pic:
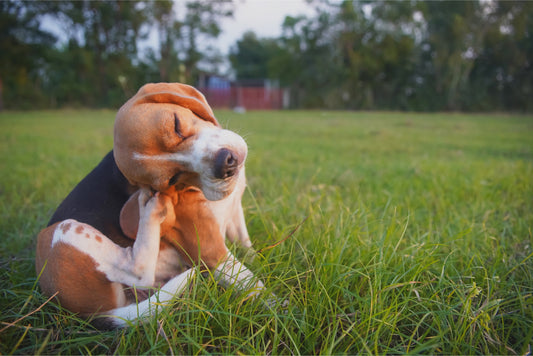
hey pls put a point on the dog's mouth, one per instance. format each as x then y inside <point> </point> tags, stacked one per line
<point>217,189</point>
<point>213,190</point>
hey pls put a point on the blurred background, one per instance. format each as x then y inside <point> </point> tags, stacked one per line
<point>259,54</point>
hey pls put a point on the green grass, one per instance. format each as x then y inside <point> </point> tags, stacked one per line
<point>418,236</point>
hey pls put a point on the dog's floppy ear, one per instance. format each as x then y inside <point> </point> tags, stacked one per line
<point>129,216</point>
<point>179,94</point>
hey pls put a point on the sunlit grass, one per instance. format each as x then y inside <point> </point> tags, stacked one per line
<point>416,236</point>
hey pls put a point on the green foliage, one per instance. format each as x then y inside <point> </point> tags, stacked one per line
<point>389,55</point>
<point>98,63</point>
<point>22,48</point>
<point>251,57</point>
<point>405,55</point>
<point>417,240</point>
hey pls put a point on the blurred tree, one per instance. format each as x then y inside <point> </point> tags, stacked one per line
<point>455,31</point>
<point>377,44</point>
<point>168,29</point>
<point>180,26</point>
<point>410,55</point>
<point>305,62</point>
<point>251,56</point>
<point>201,21</point>
<point>70,76</point>
<point>503,75</point>
<point>351,55</point>
<point>105,34</point>
<point>23,48</point>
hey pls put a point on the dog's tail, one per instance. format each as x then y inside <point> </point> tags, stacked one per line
<point>124,316</point>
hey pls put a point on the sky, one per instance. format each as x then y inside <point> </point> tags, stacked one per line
<point>264,17</point>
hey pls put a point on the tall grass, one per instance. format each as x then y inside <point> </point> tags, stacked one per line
<point>416,237</point>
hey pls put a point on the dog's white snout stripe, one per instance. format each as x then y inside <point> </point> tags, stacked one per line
<point>167,157</point>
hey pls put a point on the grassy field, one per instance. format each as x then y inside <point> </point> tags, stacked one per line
<point>418,237</point>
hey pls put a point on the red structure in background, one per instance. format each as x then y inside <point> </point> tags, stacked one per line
<point>247,95</point>
<point>257,98</point>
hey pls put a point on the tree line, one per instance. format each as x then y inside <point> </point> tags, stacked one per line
<point>98,62</point>
<point>401,55</point>
<point>388,55</point>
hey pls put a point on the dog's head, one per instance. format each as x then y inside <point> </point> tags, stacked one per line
<point>166,137</point>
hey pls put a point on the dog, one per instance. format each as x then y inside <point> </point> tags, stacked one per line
<point>127,237</point>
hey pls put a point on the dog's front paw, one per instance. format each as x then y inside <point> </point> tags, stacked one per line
<point>155,207</point>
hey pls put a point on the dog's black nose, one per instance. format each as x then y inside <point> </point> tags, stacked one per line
<point>226,164</point>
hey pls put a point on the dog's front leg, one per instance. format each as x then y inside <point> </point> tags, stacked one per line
<point>236,228</point>
<point>231,272</point>
<point>233,214</point>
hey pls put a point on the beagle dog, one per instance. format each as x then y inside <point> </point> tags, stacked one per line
<point>124,241</point>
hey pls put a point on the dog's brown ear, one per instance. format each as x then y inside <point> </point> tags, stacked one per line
<point>179,94</point>
<point>129,216</point>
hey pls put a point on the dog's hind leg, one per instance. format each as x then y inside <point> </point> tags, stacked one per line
<point>88,270</point>
<point>132,266</point>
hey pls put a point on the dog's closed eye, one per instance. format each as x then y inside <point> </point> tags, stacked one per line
<point>174,179</point>
<point>177,126</point>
